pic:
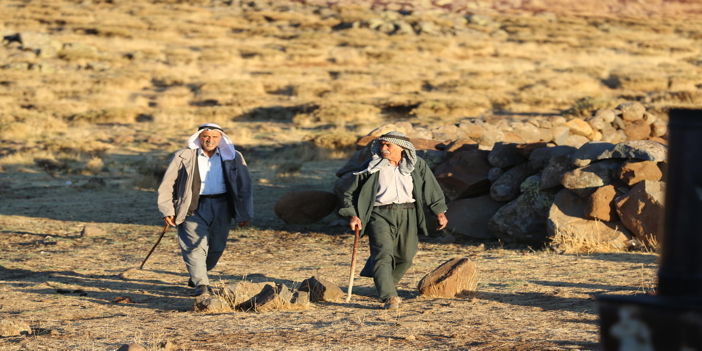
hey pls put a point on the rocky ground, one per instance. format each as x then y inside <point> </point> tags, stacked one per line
<point>64,285</point>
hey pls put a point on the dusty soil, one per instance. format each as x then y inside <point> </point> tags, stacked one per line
<point>526,299</point>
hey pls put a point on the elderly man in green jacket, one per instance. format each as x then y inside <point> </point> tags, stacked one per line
<point>386,201</point>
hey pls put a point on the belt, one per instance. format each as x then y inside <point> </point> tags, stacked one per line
<point>213,196</point>
<point>405,206</point>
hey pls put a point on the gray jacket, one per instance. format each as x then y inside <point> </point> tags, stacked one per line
<point>175,194</point>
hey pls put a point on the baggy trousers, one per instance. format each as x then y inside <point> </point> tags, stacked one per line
<point>203,237</point>
<point>393,244</point>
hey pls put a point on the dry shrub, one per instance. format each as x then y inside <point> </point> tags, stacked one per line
<point>335,141</point>
<point>24,125</point>
<point>112,31</point>
<point>108,115</point>
<point>309,152</point>
<point>76,52</point>
<point>347,88</point>
<point>237,87</point>
<point>586,106</point>
<point>346,112</point>
<point>347,56</point>
<point>95,165</point>
<point>578,242</point>
<point>638,79</point>
<point>180,56</point>
<point>400,85</point>
<point>150,172</point>
<point>263,54</point>
<point>178,96</point>
<point>79,148</point>
<point>470,106</point>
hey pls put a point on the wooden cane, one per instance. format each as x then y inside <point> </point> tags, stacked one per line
<point>165,229</point>
<point>353,262</point>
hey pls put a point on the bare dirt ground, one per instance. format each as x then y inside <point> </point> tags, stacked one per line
<point>526,299</point>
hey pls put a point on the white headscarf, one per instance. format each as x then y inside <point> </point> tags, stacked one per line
<point>378,162</point>
<point>226,147</point>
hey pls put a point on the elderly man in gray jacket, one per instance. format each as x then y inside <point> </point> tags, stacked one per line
<point>205,186</point>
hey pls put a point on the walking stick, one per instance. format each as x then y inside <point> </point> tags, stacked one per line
<point>353,263</point>
<point>165,229</point>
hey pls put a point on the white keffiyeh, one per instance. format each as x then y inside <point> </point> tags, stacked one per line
<point>226,147</point>
<point>409,154</point>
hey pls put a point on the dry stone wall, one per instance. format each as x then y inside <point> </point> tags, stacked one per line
<point>596,179</point>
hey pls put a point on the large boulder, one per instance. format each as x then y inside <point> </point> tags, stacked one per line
<point>585,180</point>
<point>464,175</point>
<point>539,158</point>
<point>524,219</point>
<point>454,277</point>
<point>567,224</point>
<point>591,151</point>
<point>505,155</point>
<point>470,217</point>
<point>553,173</point>
<point>305,207</point>
<point>506,188</point>
<point>641,210</point>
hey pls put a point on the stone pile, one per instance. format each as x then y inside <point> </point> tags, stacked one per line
<point>526,181</point>
<point>269,296</point>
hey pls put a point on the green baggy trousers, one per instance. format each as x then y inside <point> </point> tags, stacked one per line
<point>393,243</point>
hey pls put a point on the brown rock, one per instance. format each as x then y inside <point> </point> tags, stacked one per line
<point>560,134</point>
<point>579,127</point>
<point>641,210</point>
<point>453,277</point>
<point>91,230</point>
<point>471,129</point>
<point>122,299</point>
<point>566,218</point>
<point>305,207</point>
<point>321,290</point>
<point>632,111</point>
<point>634,171</point>
<point>600,205</point>
<point>607,115</point>
<point>241,293</point>
<point>576,140</point>
<point>511,137</point>
<point>528,132</point>
<point>273,298</point>
<point>637,130</point>
<point>659,129</point>
<point>465,174</point>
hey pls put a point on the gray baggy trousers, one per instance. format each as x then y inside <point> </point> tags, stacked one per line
<point>203,238</point>
<point>393,242</point>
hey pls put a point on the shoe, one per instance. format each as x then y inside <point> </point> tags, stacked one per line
<point>190,283</point>
<point>201,290</point>
<point>391,303</point>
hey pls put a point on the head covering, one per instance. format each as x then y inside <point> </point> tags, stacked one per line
<point>226,147</point>
<point>409,154</point>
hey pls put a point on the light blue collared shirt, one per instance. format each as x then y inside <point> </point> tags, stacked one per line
<point>211,173</point>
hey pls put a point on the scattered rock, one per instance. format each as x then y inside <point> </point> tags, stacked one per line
<point>585,180</point>
<point>453,277</point>
<point>211,304</point>
<point>591,151</point>
<point>506,188</point>
<point>14,328</point>
<point>505,155</point>
<point>122,299</point>
<point>131,347</point>
<point>321,290</point>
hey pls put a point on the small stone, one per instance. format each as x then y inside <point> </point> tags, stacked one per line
<point>91,230</point>
<point>122,299</point>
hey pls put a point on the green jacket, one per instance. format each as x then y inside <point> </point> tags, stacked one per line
<point>360,197</point>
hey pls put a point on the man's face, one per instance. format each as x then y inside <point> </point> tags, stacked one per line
<point>390,151</point>
<point>210,139</point>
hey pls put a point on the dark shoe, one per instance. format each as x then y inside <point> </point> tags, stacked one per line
<point>201,290</point>
<point>190,283</point>
<point>391,303</point>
